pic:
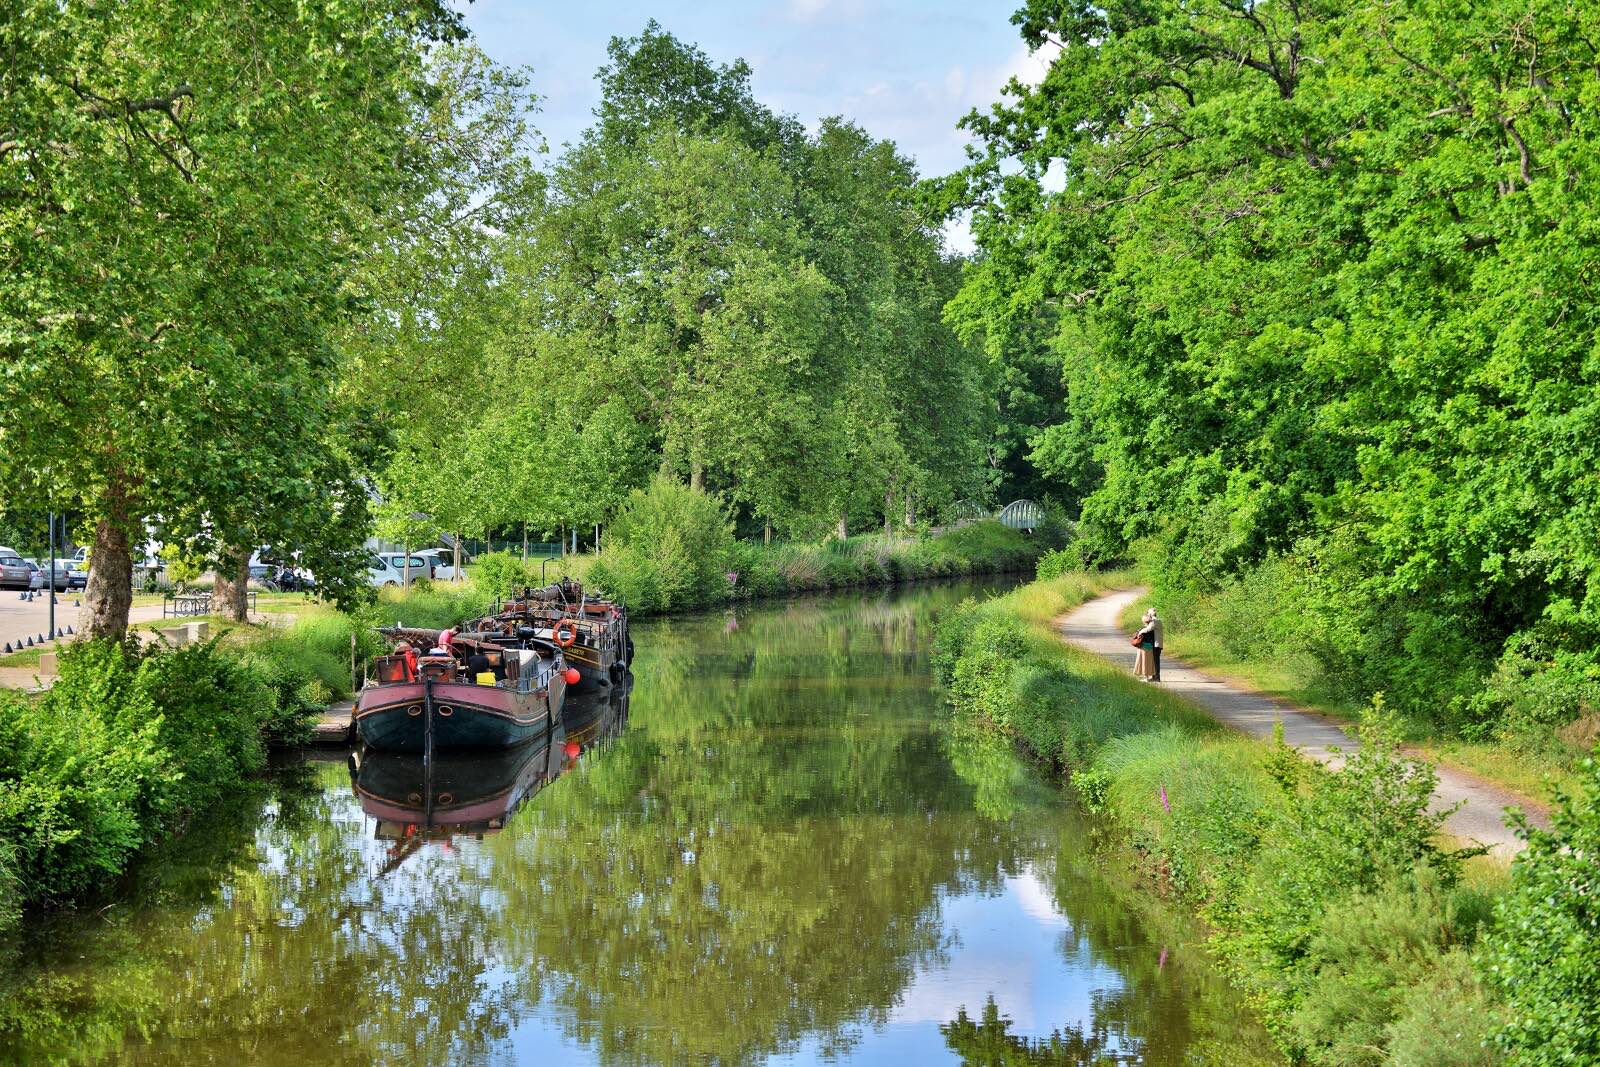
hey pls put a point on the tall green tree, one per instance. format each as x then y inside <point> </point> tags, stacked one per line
<point>1316,280</point>
<point>420,362</point>
<point>765,303</point>
<point>185,188</point>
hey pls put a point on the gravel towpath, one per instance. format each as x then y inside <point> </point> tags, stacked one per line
<point>1094,626</point>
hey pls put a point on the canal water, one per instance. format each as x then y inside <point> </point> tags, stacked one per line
<point>769,851</point>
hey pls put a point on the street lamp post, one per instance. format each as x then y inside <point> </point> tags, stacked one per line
<point>51,591</point>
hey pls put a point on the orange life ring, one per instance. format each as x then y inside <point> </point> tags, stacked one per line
<point>566,626</point>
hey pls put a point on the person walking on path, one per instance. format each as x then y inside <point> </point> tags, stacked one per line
<point>1144,641</point>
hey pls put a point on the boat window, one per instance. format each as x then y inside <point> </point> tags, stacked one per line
<point>390,668</point>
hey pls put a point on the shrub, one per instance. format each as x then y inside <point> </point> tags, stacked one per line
<point>1535,689</point>
<point>436,605</point>
<point>213,713</point>
<point>127,741</point>
<point>1092,787</point>
<point>1342,833</point>
<point>10,885</point>
<point>757,568</point>
<point>1370,955</point>
<point>1055,563</point>
<point>501,574</point>
<point>672,546</point>
<point>84,776</point>
<point>1544,948</point>
<point>1448,1019</point>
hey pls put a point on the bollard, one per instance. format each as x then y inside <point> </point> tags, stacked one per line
<point>30,642</point>
<point>8,649</point>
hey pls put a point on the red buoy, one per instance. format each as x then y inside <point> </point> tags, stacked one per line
<point>573,749</point>
<point>572,676</point>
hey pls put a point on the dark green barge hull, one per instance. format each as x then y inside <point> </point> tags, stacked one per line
<point>394,717</point>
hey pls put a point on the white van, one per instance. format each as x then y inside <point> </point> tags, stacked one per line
<point>439,562</point>
<point>388,569</point>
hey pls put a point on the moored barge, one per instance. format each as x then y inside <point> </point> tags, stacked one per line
<point>469,691</point>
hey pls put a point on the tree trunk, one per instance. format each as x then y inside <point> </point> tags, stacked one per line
<point>455,563</point>
<point>109,594</point>
<point>843,529</point>
<point>231,596</point>
<point>697,477</point>
<point>766,532</point>
<point>911,512</point>
<point>888,511</point>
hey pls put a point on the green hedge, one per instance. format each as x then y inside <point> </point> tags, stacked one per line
<point>1331,898</point>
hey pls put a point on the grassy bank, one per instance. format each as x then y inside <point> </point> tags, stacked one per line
<point>1332,898</point>
<point>667,572</point>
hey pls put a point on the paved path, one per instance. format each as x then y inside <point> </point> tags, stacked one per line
<point>21,619</point>
<point>1094,626</point>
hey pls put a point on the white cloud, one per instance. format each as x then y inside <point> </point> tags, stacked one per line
<point>1036,900</point>
<point>1027,67</point>
<point>955,80</point>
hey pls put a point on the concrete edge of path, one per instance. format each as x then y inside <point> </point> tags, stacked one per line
<point>1095,627</point>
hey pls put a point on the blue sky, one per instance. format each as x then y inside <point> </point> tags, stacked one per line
<point>905,71</point>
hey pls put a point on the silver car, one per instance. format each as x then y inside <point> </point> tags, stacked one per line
<point>60,570</point>
<point>14,574</point>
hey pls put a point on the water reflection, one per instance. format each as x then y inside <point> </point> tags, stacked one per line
<point>781,858</point>
<point>412,801</point>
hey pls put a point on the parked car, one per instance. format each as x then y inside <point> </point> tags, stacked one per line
<point>389,568</point>
<point>58,570</point>
<point>77,573</point>
<point>36,583</point>
<point>440,563</point>
<point>14,574</point>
